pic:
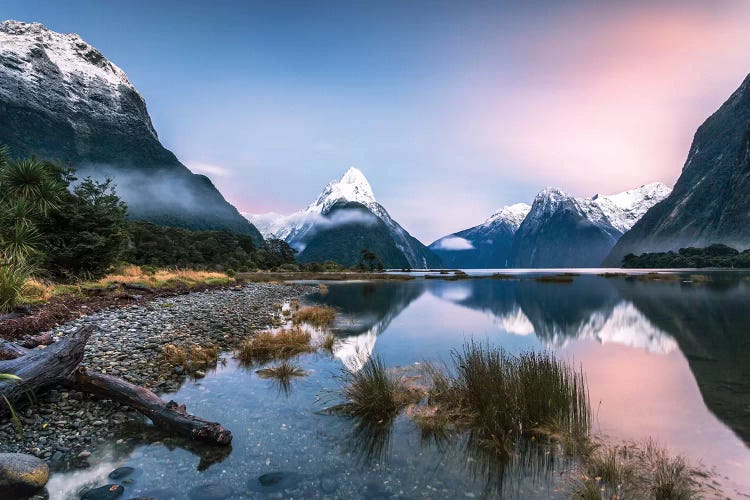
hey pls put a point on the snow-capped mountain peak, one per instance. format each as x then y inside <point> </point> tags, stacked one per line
<point>351,187</point>
<point>513,215</point>
<point>625,209</point>
<point>63,75</point>
<point>69,53</point>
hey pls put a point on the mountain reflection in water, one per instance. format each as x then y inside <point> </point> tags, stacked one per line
<point>647,333</point>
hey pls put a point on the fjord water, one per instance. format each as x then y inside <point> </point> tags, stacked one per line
<point>668,360</point>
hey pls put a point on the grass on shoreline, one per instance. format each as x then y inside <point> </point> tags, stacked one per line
<point>269,345</point>
<point>317,316</point>
<point>192,358</point>
<point>39,291</point>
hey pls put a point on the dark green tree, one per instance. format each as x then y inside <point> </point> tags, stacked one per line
<point>86,236</point>
<point>370,260</point>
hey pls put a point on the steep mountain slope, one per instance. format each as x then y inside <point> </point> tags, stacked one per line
<point>487,245</point>
<point>711,199</point>
<point>563,231</point>
<point>336,225</point>
<point>62,100</point>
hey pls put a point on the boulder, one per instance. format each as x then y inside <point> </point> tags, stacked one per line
<point>21,474</point>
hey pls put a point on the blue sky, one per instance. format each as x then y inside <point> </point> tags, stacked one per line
<point>451,109</point>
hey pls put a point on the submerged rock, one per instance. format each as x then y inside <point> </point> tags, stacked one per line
<point>121,472</point>
<point>21,474</point>
<point>274,481</point>
<point>106,492</point>
<point>212,491</point>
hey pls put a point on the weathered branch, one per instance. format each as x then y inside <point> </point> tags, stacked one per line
<point>11,350</point>
<point>169,416</point>
<point>41,368</point>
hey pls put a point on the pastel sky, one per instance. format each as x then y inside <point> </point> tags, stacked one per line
<point>452,109</point>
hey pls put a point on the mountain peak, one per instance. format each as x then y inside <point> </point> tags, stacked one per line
<point>512,214</point>
<point>351,187</point>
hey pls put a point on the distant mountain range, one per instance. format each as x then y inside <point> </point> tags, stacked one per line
<point>711,199</point>
<point>62,100</point>
<point>344,220</point>
<point>558,230</point>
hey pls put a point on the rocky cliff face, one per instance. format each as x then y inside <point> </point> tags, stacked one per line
<point>62,100</point>
<point>710,202</point>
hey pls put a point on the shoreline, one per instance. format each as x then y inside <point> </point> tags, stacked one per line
<point>65,427</point>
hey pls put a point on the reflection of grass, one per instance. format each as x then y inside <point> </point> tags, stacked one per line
<point>374,393</point>
<point>269,345</point>
<point>320,316</point>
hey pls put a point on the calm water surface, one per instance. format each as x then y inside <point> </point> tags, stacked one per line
<point>668,360</point>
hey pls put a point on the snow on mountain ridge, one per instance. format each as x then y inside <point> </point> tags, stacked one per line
<point>512,214</point>
<point>73,57</point>
<point>625,209</point>
<point>619,211</point>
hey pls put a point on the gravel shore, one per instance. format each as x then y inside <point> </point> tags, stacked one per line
<point>64,427</point>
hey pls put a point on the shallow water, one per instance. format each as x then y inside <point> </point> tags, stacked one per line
<point>668,360</point>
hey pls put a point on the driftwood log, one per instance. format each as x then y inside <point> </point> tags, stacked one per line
<point>41,368</point>
<point>59,363</point>
<point>168,416</point>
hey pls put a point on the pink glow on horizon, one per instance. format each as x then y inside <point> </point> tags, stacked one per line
<point>609,103</point>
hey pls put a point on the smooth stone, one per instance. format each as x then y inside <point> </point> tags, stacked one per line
<point>274,481</point>
<point>213,491</point>
<point>121,472</point>
<point>104,492</point>
<point>23,474</point>
<point>328,485</point>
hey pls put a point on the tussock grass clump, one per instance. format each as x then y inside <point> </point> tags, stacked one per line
<point>657,277</point>
<point>643,470</point>
<point>613,275</point>
<point>502,276</point>
<point>500,397</point>
<point>327,342</point>
<point>319,316</point>
<point>374,393</point>
<point>191,357</point>
<point>269,345</point>
<point>556,278</point>
<point>323,289</point>
<point>283,371</point>
<point>282,374</point>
